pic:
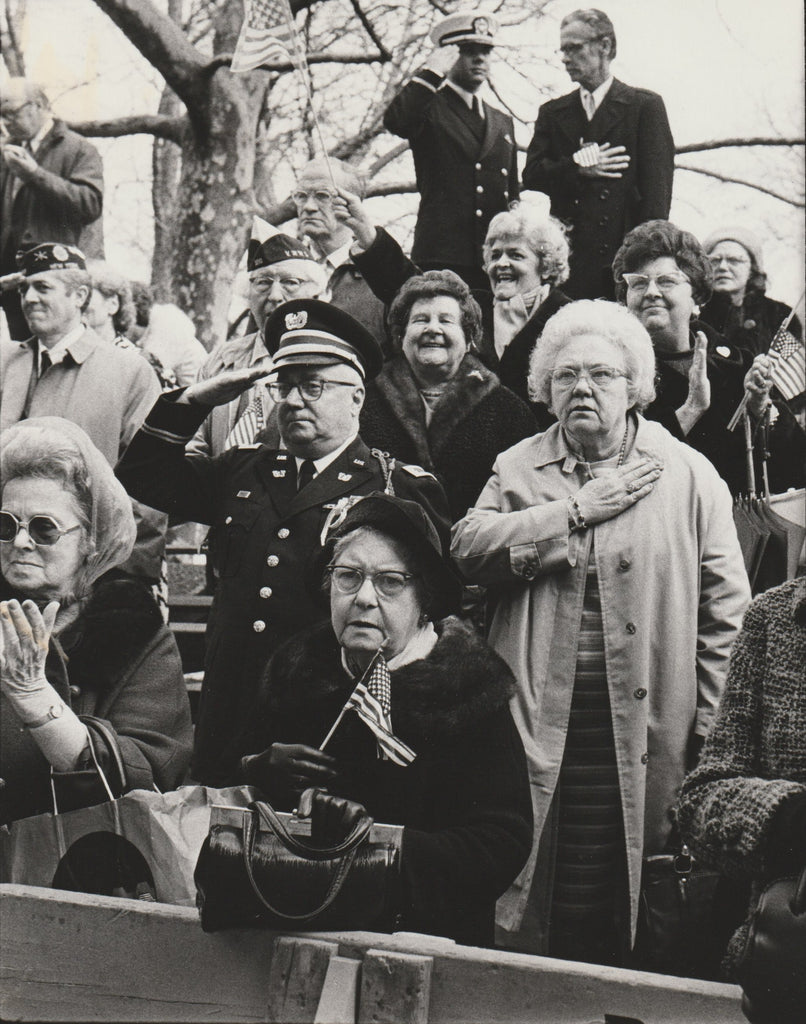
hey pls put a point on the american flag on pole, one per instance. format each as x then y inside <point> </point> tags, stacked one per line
<point>372,702</point>
<point>788,363</point>
<point>267,34</point>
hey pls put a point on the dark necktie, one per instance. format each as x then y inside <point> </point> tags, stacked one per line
<point>306,473</point>
<point>44,361</point>
<point>477,108</point>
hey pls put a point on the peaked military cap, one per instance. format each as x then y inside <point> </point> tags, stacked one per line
<point>465,27</point>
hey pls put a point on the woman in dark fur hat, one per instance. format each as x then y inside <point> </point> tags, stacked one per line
<point>452,769</point>
<point>73,645</point>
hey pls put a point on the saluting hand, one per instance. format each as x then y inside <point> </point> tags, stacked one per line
<point>612,493</point>
<point>225,387</point>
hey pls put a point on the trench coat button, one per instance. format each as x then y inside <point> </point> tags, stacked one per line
<point>624,565</point>
<point>479,188</point>
<point>75,691</point>
<point>529,573</point>
<point>504,170</point>
<point>272,561</point>
<point>644,758</point>
<point>630,627</point>
<point>228,520</point>
<point>283,532</point>
<point>478,213</point>
<point>640,693</point>
<point>749,324</point>
<point>258,625</point>
<point>478,167</point>
<point>265,592</point>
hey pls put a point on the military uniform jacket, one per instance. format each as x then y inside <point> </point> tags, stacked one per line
<point>601,211</point>
<point>466,173</point>
<point>267,536</point>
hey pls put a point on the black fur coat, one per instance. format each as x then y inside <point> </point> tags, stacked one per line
<point>465,800</point>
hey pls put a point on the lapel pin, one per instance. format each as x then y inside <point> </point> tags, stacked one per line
<point>344,477</point>
<point>279,473</point>
<point>243,494</point>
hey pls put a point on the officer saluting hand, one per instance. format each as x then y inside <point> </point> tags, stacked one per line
<point>270,509</point>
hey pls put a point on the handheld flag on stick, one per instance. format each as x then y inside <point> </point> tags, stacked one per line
<point>788,367</point>
<point>372,700</point>
<point>267,33</point>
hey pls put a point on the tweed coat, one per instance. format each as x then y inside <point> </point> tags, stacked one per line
<point>673,588</point>
<point>106,390</point>
<point>475,419</point>
<point>464,175</point>
<point>754,760</point>
<point>600,211</point>
<point>266,539</point>
<point>117,662</point>
<point>463,802</point>
<point>59,203</point>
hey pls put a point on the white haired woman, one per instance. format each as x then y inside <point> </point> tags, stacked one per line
<point>620,587</point>
<point>72,644</point>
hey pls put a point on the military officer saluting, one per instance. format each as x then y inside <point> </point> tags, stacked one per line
<point>465,156</point>
<point>270,508</point>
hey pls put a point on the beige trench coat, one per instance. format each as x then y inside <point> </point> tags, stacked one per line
<point>673,589</point>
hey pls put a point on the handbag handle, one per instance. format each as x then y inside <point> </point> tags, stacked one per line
<point>339,876</point>
<point>354,839</point>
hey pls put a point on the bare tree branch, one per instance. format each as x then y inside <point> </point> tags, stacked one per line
<point>10,42</point>
<point>373,35</point>
<point>740,181</point>
<point>163,127</point>
<point>223,60</point>
<point>702,147</point>
<point>387,158</point>
<point>164,45</point>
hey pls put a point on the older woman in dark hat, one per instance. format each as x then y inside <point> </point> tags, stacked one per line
<point>454,772</point>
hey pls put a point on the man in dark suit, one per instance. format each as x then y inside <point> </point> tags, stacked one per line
<point>51,182</point>
<point>271,508</point>
<point>463,148</point>
<point>604,154</point>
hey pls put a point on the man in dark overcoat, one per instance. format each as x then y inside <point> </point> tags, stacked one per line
<point>271,509</point>
<point>604,154</point>
<point>463,147</point>
<point>51,183</point>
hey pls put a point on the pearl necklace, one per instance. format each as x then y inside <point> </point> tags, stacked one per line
<point>621,454</point>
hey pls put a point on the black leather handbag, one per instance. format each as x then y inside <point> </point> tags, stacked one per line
<point>676,926</point>
<point>254,871</point>
<point>772,967</point>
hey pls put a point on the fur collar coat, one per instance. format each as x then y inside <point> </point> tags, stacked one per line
<point>464,802</point>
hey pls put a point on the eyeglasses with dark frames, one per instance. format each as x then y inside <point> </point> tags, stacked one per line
<point>310,390</point>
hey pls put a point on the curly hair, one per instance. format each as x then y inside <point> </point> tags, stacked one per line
<point>428,286</point>
<point>658,238</point>
<point>544,235</point>
<point>111,283</point>
<point>606,320</point>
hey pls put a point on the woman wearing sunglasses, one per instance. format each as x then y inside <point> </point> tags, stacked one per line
<point>453,773</point>
<point>663,276</point>
<point>87,669</point>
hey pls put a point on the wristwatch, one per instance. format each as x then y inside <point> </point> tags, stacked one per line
<point>54,711</point>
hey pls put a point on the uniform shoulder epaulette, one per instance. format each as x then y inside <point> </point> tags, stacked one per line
<point>413,470</point>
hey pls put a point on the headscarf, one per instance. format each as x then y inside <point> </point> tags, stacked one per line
<point>25,450</point>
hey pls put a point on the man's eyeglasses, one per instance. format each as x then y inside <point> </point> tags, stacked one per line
<point>289,286</point>
<point>322,196</point>
<point>565,377</point>
<point>348,580</point>
<point>664,282</point>
<point>7,113</point>
<point>43,530</point>
<point>732,261</point>
<point>310,390</point>
<point>573,49</point>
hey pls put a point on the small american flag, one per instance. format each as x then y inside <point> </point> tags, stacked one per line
<point>788,363</point>
<point>267,33</point>
<point>372,703</point>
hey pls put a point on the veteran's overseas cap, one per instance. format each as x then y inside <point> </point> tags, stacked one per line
<point>275,249</point>
<point>50,256</point>
<point>465,27</point>
<point>309,332</point>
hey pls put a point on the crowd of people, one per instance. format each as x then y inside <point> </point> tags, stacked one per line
<point>494,480</point>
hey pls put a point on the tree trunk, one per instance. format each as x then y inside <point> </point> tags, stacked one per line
<point>166,166</point>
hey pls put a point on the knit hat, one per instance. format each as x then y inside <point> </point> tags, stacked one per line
<point>744,237</point>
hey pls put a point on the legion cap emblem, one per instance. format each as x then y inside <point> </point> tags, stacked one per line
<point>294,321</point>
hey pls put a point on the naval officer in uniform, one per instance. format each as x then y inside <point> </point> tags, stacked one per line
<point>270,509</point>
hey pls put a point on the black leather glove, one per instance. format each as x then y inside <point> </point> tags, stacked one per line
<point>332,817</point>
<point>289,768</point>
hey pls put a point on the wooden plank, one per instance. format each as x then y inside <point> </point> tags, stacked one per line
<point>338,1003</point>
<point>395,988</point>
<point>67,956</point>
<point>296,978</point>
<point>189,600</point>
